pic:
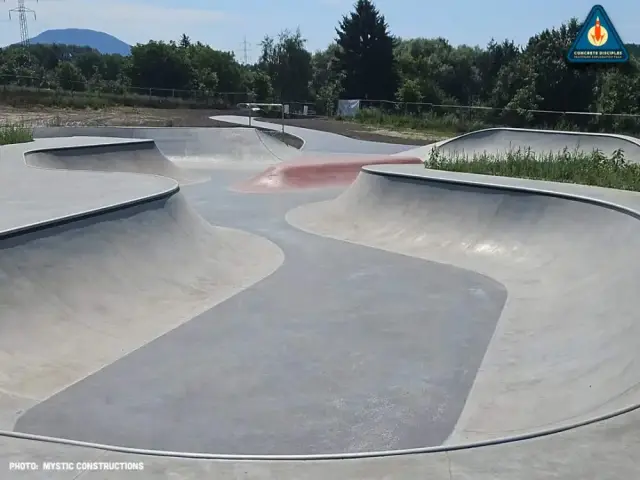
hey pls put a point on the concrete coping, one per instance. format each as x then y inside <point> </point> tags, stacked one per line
<point>81,144</point>
<point>625,201</point>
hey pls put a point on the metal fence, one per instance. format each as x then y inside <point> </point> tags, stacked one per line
<point>113,92</point>
<point>470,117</point>
<point>16,89</point>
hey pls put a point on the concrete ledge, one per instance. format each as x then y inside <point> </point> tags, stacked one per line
<point>39,192</point>
<point>83,215</point>
<point>621,200</point>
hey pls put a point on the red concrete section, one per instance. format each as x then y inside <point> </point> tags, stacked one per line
<point>315,172</point>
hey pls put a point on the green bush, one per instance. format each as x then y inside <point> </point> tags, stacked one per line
<point>587,168</point>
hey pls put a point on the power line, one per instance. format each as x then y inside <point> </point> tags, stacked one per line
<point>22,12</point>
<point>246,48</point>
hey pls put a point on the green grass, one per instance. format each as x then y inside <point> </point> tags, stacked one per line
<point>14,133</point>
<point>592,168</point>
<point>444,125</point>
<point>450,123</point>
<point>18,96</point>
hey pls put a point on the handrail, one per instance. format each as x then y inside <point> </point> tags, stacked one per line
<point>249,105</point>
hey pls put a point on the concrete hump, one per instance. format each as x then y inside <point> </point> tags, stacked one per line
<point>541,142</point>
<point>76,298</point>
<point>206,146</point>
<point>316,171</point>
<point>134,156</point>
<point>565,348</point>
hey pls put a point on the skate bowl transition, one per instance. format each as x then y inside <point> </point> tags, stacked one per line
<point>237,146</point>
<point>540,142</point>
<point>314,315</point>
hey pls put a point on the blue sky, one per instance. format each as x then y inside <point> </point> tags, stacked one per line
<point>225,23</point>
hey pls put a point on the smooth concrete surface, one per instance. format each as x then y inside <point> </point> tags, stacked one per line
<point>562,350</point>
<point>606,450</point>
<point>323,142</point>
<point>275,371</point>
<point>32,196</point>
<point>237,147</point>
<point>539,142</point>
<point>138,156</point>
<point>565,347</point>
<point>315,172</point>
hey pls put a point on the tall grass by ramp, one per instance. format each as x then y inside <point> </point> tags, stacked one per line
<point>587,168</point>
<point>15,133</point>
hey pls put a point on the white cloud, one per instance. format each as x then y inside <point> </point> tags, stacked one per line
<point>130,21</point>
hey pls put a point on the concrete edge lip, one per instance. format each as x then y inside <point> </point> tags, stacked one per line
<point>275,128</point>
<point>54,222</point>
<point>317,457</point>
<point>502,183</point>
<point>104,142</point>
<point>545,132</point>
<point>88,213</point>
<point>488,182</point>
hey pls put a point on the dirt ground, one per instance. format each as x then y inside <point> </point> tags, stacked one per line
<point>129,116</point>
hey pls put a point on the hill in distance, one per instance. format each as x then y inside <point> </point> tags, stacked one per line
<point>103,42</point>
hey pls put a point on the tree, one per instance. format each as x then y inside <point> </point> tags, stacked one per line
<point>160,65</point>
<point>326,81</point>
<point>288,65</point>
<point>70,77</point>
<point>260,88</point>
<point>185,41</point>
<point>231,76</point>
<point>365,54</point>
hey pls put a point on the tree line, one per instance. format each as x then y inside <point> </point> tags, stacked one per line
<point>365,61</point>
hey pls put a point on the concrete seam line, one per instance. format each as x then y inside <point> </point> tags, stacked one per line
<point>370,169</point>
<point>315,457</point>
<point>95,212</point>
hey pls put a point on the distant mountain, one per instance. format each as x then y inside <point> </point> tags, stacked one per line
<point>103,42</point>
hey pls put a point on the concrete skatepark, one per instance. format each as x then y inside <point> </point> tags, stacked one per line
<point>217,304</point>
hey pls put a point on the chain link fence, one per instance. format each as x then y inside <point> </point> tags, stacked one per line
<point>20,90</point>
<point>16,90</point>
<point>474,117</point>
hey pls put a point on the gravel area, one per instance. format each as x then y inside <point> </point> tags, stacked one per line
<point>129,116</point>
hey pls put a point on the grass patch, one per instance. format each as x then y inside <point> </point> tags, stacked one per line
<point>440,125</point>
<point>15,133</point>
<point>587,168</point>
<point>20,97</point>
<point>463,120</point>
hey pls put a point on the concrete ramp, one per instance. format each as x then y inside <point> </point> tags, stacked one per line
<point>239,147</point>
<point>502,140</point>
<point>134,156</point>
<point>76,298</point>
<point>566,346</point>
<point>315,172</point>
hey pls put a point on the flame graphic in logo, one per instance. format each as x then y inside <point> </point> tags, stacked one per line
<point>598,35</point>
